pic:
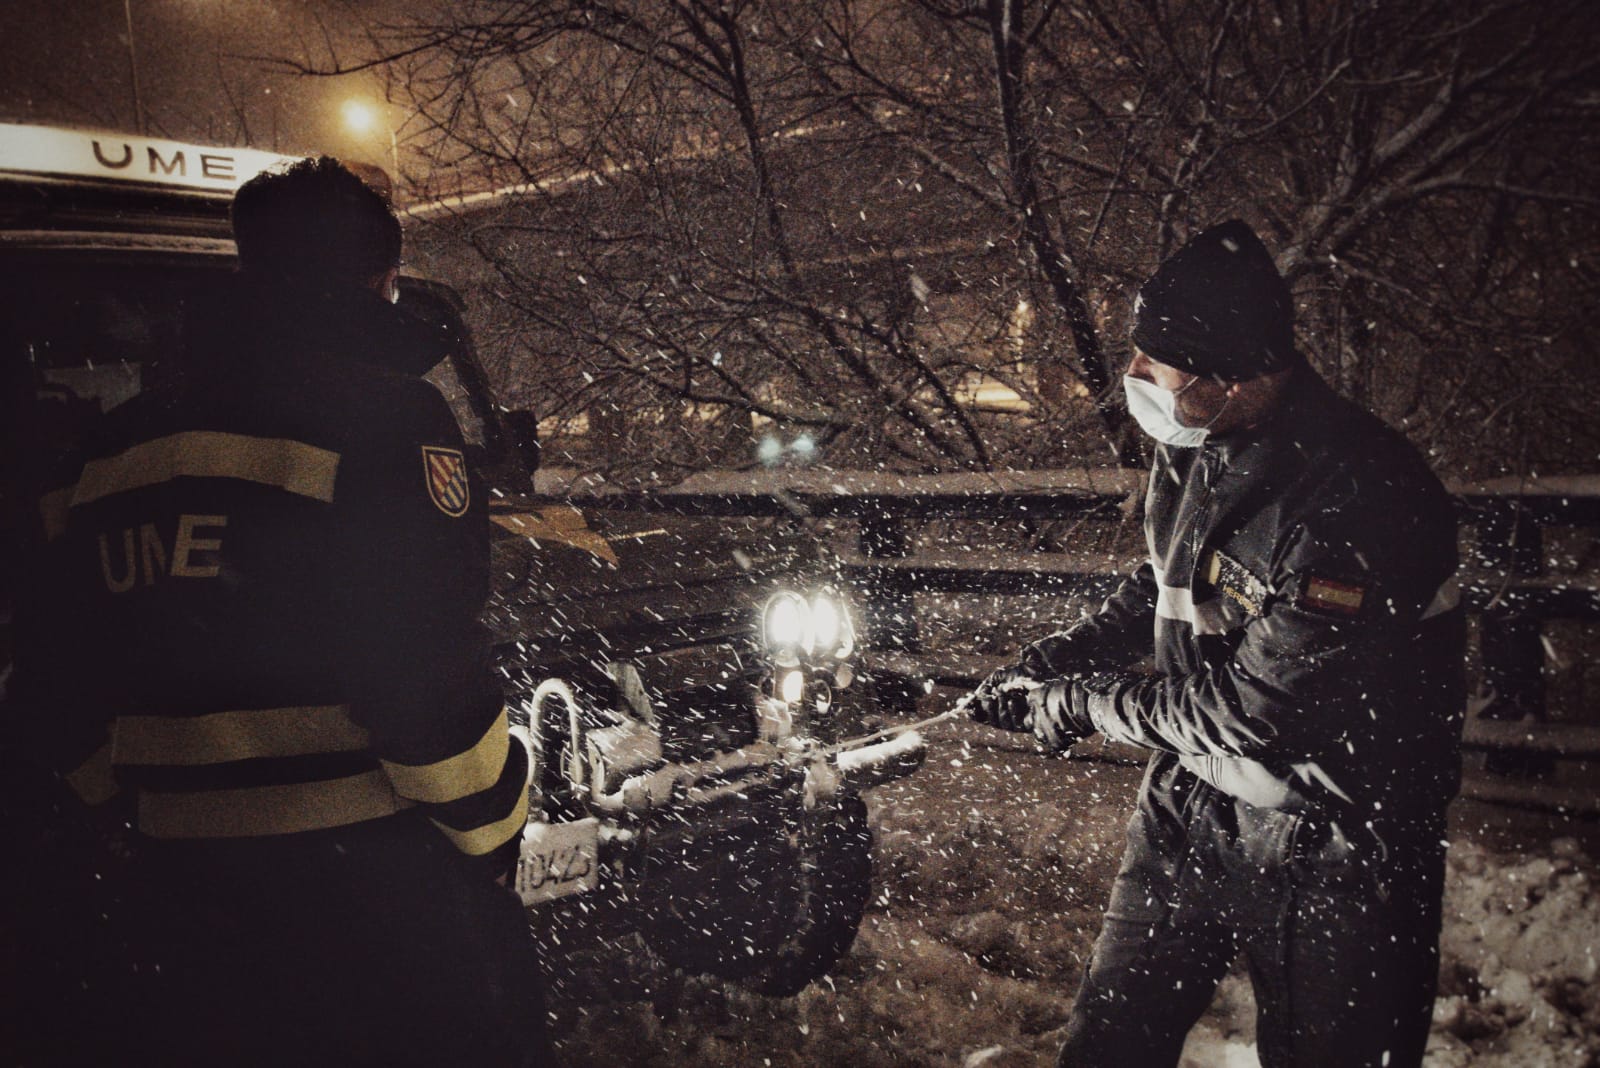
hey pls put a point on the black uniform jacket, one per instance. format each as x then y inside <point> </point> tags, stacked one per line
<point>265,591</point>
<point>1308,637</point>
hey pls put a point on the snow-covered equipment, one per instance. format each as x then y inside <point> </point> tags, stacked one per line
<point>721,821</point>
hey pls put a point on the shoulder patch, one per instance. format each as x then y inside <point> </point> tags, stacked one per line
<point>1326,595</point>
<point>445,473</point>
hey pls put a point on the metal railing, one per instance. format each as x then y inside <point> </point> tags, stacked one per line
<point>1505,584</point>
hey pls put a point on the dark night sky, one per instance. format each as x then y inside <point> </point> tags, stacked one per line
<point>200,75</point>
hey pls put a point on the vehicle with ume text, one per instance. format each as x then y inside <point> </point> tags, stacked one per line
<point>686,686</point>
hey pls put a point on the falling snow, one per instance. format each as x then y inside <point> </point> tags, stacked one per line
<point>993,865</point>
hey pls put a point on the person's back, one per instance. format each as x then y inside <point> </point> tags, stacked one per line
<point>276,570</point>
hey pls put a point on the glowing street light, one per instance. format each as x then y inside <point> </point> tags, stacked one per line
<point>361,119</point>
<point>359,116</point>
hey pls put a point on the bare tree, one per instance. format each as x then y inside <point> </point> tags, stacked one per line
<point>687,233</point>
<point>1422,169</point>
<point>857,218</point>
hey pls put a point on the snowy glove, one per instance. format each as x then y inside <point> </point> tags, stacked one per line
<point>1001,700</point>
<point>1058,713</point>
<point>1053,656</point>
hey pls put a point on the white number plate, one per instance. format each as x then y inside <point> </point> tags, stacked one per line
<point>558,859</point>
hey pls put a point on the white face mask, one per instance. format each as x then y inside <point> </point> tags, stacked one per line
<point>1156,411</point>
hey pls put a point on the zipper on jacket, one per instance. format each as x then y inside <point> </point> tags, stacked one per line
<point>1197,527</point>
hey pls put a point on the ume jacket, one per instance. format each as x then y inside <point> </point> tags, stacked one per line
<point>267,588</point>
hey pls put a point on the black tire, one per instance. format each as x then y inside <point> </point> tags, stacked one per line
<point>834,878</point>
<point>715,903</point>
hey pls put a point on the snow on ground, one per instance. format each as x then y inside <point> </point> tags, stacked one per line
<point>1519,951</point>
<point>1517,981</point>
<point>994,862</point>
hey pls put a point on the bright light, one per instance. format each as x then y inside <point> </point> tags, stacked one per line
<point>792,687</point>
<point>784,623</point>
<point>360,116</point>
<point>824,622</point>
<point>793,627</point>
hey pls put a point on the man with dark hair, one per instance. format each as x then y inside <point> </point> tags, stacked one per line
<point>1305,708</point>
<point>317,221</point>
<point>270,580</point>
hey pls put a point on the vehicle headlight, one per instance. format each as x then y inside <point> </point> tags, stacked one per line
<point>784,625</point>
<point>831,632</point>
<point>793,627</point>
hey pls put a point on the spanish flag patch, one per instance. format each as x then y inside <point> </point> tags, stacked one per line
<point>445,472</point>
<point>1327,595</point>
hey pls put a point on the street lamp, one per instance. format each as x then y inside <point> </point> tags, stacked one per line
<point>362,118</point>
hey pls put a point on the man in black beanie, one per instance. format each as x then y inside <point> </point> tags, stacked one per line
<point>1305,709</point>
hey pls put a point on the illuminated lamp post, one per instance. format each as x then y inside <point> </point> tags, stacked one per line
<point>362,118</point>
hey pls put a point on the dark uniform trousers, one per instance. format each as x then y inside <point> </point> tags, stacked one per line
<point>408,956</point>
<point>1344,977</point>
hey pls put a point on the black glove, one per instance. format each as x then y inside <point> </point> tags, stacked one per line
<point>1001,700</point>
<point>1058,713</point>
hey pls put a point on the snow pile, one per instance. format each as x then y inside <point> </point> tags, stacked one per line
<point>1520,946</point>
<point>1520,955</point>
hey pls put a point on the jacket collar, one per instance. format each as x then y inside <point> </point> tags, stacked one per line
<point>1304,398</point>
<point>263,320</point>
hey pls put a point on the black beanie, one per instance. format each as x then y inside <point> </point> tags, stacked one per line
<point>1218,307</point>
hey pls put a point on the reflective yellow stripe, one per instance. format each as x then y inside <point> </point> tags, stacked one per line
<point>53,512</point>
<point>288,465</point>
<point>465,773</point>
<point>223,736</point>
<point>264,810</point>
<point>92,780</point>
<point>485,839</point>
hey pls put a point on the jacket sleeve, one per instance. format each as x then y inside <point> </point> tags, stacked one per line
<point>1349,597</point>
<point>421,679</point>
<point>57,717</point>
<point>1117,633</point>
